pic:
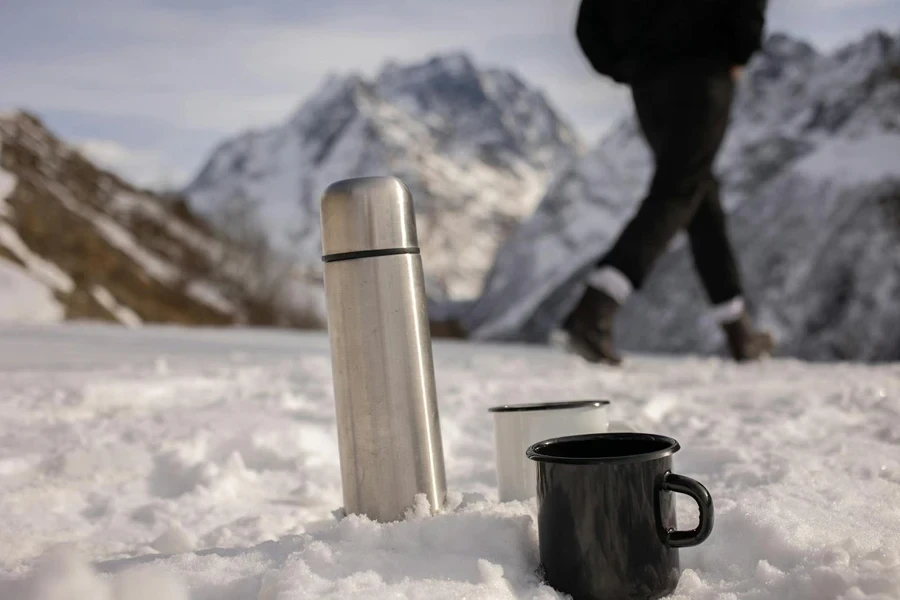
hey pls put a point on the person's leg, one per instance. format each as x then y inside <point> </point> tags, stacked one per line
<point>712,251</point>
<point>683,114</point>
<point>718,269</point>
<point>684,117</point>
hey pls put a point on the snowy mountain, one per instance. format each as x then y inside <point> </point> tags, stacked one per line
<point>476,147</point>
<point>79,243</point>
<point>811,171</point>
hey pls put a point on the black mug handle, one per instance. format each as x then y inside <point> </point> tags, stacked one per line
<point>674,538</point>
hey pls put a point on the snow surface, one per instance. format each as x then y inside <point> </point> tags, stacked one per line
<point>202,464</point>
<point>23,299</point>
<point>8,183</point>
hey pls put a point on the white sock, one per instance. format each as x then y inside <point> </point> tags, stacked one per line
<point>611,281</point>
<point>728,312</point>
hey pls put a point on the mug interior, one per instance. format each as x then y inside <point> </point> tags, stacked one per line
<point>603,447</point>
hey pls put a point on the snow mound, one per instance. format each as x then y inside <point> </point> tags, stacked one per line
<point>65,575</point>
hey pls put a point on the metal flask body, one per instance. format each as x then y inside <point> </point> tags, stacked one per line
<point>383,373</point>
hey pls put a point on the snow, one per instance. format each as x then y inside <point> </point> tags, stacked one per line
<point>128,202</point>
<point>856,161</point>
<point>122,313</point>
<point>122,239</point>
<point>119,237</point>
<point>24,299</point>
<point>208,294</point>
<point>180,464</point>
<point>8,183</point>
<point>43,270</point>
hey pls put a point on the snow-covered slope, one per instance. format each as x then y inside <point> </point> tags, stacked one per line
<point>812,182</point>
<point>476,147</point>
<point>79,243</point>
<point>24,298</point>
<point>203,465</point>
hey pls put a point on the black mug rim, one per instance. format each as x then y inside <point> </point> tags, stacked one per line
<point>547,406</point>
<point>671,447</point>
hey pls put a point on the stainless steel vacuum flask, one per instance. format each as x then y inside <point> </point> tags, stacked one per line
<point>382,367</point>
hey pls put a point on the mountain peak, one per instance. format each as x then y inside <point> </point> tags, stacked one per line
<point>442,85</point>
<point>492,111</point>
<point>876,45</point>
<point>334,89</point>
<point>19,116</point>
<point>453,64</point>
<point>786,47</point>
<point>455,134</point>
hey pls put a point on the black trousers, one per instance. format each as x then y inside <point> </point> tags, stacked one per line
<point>683,110</point>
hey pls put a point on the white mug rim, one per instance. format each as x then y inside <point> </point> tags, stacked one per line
<point>563,405</point>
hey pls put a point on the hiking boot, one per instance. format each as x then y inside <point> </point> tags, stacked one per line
<point>745,342</point>
<point>590,328</point>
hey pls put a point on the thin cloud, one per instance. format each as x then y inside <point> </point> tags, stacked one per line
<point>145,168</point>
<point>184,66</point>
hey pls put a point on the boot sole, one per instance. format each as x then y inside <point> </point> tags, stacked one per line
<point>587,354</point>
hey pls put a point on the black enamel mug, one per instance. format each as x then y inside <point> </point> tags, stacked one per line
<point>606,515</point>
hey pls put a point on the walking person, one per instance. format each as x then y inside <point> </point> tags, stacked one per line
<point>681,59</point>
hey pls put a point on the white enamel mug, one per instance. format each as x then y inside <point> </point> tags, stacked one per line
<point>518,426</point>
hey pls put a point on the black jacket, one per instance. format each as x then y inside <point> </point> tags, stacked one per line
<point>622,37</point>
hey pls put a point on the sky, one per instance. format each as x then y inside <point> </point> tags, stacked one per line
<point>149,87</point>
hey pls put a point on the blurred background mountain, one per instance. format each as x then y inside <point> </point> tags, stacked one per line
<point>477,148</point>
<point>512,200</point>
<point>811,178</point>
